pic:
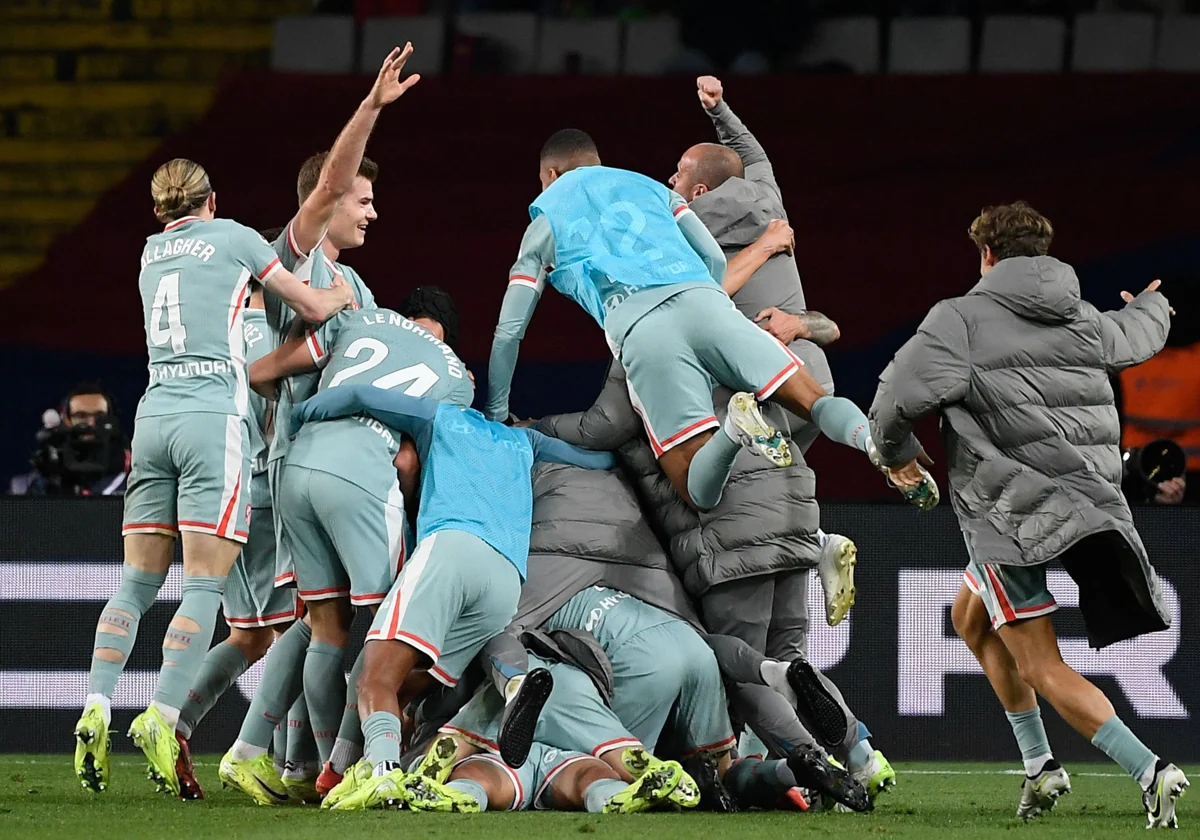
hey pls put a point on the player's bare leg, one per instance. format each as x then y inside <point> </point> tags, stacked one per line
<point>1034,647</point>
<point>147,558</point>
<point>1045,779</point>
<point>387,683</point>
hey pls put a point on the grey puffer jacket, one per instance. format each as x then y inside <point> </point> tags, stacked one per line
<point>766,521</point>
<point>589,529</point>
<point>736,214</point>
<point>1019,370</point>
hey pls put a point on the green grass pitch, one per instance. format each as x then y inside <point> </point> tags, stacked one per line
<point>40,798</point>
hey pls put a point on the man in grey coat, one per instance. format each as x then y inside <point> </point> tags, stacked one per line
<point>1018,370</point>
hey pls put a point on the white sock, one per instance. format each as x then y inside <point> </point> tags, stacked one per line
<point>345,753</point>
<point>730,430</point>
<point>105,704</point>
<point>822,537</point>
<point>170,713</point>
<point>774,674</point>
<point>247,752</point>
<point>183,729</point>
<point>1033,766</point>
<point>301,770</point>
<point>1147,777</point>
<point>512,687</point>
<point>385,767</point>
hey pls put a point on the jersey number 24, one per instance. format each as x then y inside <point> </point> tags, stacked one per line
<point>420,375</point>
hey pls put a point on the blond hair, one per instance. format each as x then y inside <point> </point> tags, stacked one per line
<point>179,187</point>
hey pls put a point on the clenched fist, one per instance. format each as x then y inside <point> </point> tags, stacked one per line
<point>709,89</point>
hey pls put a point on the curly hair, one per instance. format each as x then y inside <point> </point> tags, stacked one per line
<point>1012,230</point>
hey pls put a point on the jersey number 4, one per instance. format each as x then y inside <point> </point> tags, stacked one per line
<point>420,375</point>
<point>166,297</point>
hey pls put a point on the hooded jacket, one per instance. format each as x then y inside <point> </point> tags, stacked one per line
<point>1019,369</point>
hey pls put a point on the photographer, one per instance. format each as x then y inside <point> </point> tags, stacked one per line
<point>80,451</point>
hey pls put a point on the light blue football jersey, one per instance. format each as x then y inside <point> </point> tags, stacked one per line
<point>611,616</point>
<point>318,271</point>
<point>194,283</point>
<point>476,476</point>
<point>615,235</point>
<point>381,348</point>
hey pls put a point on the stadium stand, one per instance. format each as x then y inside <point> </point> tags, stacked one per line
<point>84,96</point>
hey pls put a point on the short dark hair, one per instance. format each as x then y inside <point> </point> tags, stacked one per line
<point>567,144</point>
<point>270,234</point>
<point>435,303</point>
<point>716,164</point>
<point>310,173</point>
<point>87,388</point>
<point>1012,230</point>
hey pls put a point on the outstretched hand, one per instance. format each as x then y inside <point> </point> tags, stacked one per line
<point>709,89</point>
<point>388,87</point>
<point>1153,287</point>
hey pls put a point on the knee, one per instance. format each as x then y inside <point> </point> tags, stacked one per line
<point>253,642</point>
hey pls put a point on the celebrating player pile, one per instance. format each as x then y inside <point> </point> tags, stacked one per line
<point>536,649</point>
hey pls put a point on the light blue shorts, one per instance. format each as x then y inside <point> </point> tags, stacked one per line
<point>453,595</point>
<point>1010,593</point>
<point>678,352</point>
<point>574,718</point>
<point>251,597</point>
<point>189,472</point>
<point>532,780</point>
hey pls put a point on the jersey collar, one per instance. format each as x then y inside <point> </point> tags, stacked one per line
<point>181,221</point>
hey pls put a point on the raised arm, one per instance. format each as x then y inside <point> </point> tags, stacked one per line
<point>341,166</point>
<point>608,424</point>
<point>930,371</point>
<point>733,133</point>
<point>526,281</point>
<point>776,238</point>
<point>1134,334</point>
<point>699,238</point>
<point>546,448</point>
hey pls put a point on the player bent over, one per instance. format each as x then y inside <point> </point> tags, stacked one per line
<point>1019,371</point>
<point>462,584</point>
<point>190,455</point>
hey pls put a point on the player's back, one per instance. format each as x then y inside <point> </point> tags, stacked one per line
<point>615,234</point>
<point>381,348</point>
<point>194,284</point>
<point>476,476</point>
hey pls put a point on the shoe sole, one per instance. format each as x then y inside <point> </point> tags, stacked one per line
<point>823,780</point>
<point>654,788</point>
<point>87,767</point>
<point>754,430</point>
<point>517,729</point>
<point>1174,792</point>
<point>844,563</point>
<point>443,750</point>
<point>821,714</point>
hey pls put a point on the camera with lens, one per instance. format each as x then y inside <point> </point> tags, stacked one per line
<point>1145,467</point>
<point>70,459</point>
